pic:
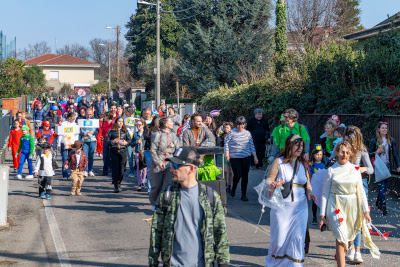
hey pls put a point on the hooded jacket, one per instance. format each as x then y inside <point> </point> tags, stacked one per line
<point>209,171</point>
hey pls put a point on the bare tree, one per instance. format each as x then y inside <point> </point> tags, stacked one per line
<point>310,21</point>
<point>75,50</point>
<point>35,50</point>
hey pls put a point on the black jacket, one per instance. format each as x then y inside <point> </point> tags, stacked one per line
<point>54,120</point>
<point>259,129</point>
<point>83,105</point>
<point>147,137</point>
<point>393,155</point>
<point>112,134</point>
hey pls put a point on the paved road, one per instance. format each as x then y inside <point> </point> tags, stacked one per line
<point>102,228</point>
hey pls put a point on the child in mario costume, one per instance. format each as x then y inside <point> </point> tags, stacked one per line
<point>13,143</point>
<point>46,131</point>
<point>25,150</point>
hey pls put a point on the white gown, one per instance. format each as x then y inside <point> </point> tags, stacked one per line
<point>289,225</point>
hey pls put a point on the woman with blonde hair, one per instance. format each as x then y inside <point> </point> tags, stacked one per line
<point>328,137</point>
<point>345,204</point>
<point>384,146</point>
<point>360,158</point>
<point>289,225</point>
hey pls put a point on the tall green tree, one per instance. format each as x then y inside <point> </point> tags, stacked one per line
<point>347,17</point>
<point>35,79</point>
<point>281,41</point>
<point>223,42</point>
<point>142,33</point>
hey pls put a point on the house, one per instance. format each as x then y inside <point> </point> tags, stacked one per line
<point>64,69</point>
<point>296,39</point>
<point>390,23</point>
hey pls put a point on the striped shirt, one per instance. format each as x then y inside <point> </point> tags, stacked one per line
<point>239,144</point>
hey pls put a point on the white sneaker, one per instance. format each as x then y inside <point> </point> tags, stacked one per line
<point>91,174</point>
<point>19,177</point>
<point>350,255</point>
<point>85,174</point>
<point>101,155</point>
<point>29,177</point>
<point>358,258</point>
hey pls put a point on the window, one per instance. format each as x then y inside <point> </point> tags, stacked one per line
<point>53,75</point>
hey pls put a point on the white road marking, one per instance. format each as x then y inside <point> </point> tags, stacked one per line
<point>56,234</point>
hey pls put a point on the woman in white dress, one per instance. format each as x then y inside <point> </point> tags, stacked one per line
<point>289,225</point>
<point>345,205</point>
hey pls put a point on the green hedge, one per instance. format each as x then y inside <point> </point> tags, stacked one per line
<point>336,78</point>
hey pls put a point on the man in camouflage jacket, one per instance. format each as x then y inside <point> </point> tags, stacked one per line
<point>214,241</point>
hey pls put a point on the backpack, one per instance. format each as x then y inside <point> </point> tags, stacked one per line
<point>167,197</point>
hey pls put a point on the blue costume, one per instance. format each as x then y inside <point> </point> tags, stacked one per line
<point>26,148</point>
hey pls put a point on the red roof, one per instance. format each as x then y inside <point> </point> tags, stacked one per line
<point>53,59</point>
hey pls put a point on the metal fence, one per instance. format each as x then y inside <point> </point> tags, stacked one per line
<point>5,123</point>
<point>315,125</point>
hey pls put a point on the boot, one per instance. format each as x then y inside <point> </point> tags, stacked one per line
<point>228,189</point>
<point>378,204</point>
<point>384,210</point>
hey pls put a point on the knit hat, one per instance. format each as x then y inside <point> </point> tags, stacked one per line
<point>25,128</point>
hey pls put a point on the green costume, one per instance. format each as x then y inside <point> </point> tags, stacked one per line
<point>329,143</point>
<point>208,171</point>
<point>281,132</point>
<point>213,228</point>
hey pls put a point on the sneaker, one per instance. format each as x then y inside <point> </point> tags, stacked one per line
<point>72,193</point>
<point>65,178</point>
<point>131,175</point>
<point>48,196</point>
<point>119,187</point>
<point>42,195</point>
<point>29,176</point>
<point>101,155</point>
<point>19,176</point>
<point>98,154</point>
<point>15,169</point>
<point>139,189</point>
<point>350,255</point>
<point>228,190</point>
<point>358,258</point>
<point>78,193</point>
<point>85,174</point>
<point>244,198</point>
<point>91,173</point>
<point>314,221</point>
<point>116,190</point>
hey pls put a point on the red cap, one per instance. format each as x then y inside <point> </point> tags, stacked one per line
<point>46,123</point>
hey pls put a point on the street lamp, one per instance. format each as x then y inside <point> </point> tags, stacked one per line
<point>109,67</point>
<point>118,31</point>
<point>158,78</point>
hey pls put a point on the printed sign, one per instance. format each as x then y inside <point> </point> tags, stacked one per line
<point>67,130</point>
<point>130,121</point>
<point>92,123</point>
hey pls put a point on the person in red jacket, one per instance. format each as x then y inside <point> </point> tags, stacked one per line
<point>99,148</point>
<point>45,130</point>
<point>13,143</point>
<point>106,126</point>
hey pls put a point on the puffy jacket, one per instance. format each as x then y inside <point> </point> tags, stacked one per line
<point>39,115</point>
<point>163,145</point>
<point>83,161</point>
<point>111,135</point>
<point>213,229</point>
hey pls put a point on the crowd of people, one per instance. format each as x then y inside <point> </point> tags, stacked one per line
<point>160,149</point>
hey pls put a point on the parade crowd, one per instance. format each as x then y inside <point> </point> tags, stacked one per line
<point>161,150</point>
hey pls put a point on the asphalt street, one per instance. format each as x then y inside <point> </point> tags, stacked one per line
<point>102,228</point>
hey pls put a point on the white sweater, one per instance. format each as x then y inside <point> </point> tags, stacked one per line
<point>48,165</point>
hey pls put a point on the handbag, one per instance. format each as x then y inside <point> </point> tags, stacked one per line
<point>381,170</point>
<point>288,187</point>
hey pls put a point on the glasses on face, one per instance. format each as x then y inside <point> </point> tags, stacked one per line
<point>139,125</point>
<point>177,166</point>
<point>241,123</point>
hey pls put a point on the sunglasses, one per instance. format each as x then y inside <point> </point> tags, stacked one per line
<point>177,166</point>
<point>241,123</point>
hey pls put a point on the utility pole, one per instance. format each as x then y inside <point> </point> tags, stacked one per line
<point>177,96</point>
<point>118,30</point>
<point>158,82</point>
<point>109,69</point>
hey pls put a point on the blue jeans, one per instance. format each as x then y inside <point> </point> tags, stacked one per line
<point>106,159</point>
<point>357,240</point>
<point>147,159</point>
<point>88,148</point>
<point>25,156</point>
<point>131,158</point>
<point>64,156</point>
<point>382,185</point>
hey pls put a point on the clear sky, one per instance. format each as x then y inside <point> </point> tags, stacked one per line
<point>78,21</point>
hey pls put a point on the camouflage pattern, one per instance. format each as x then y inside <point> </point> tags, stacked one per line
<point>213,229</point>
